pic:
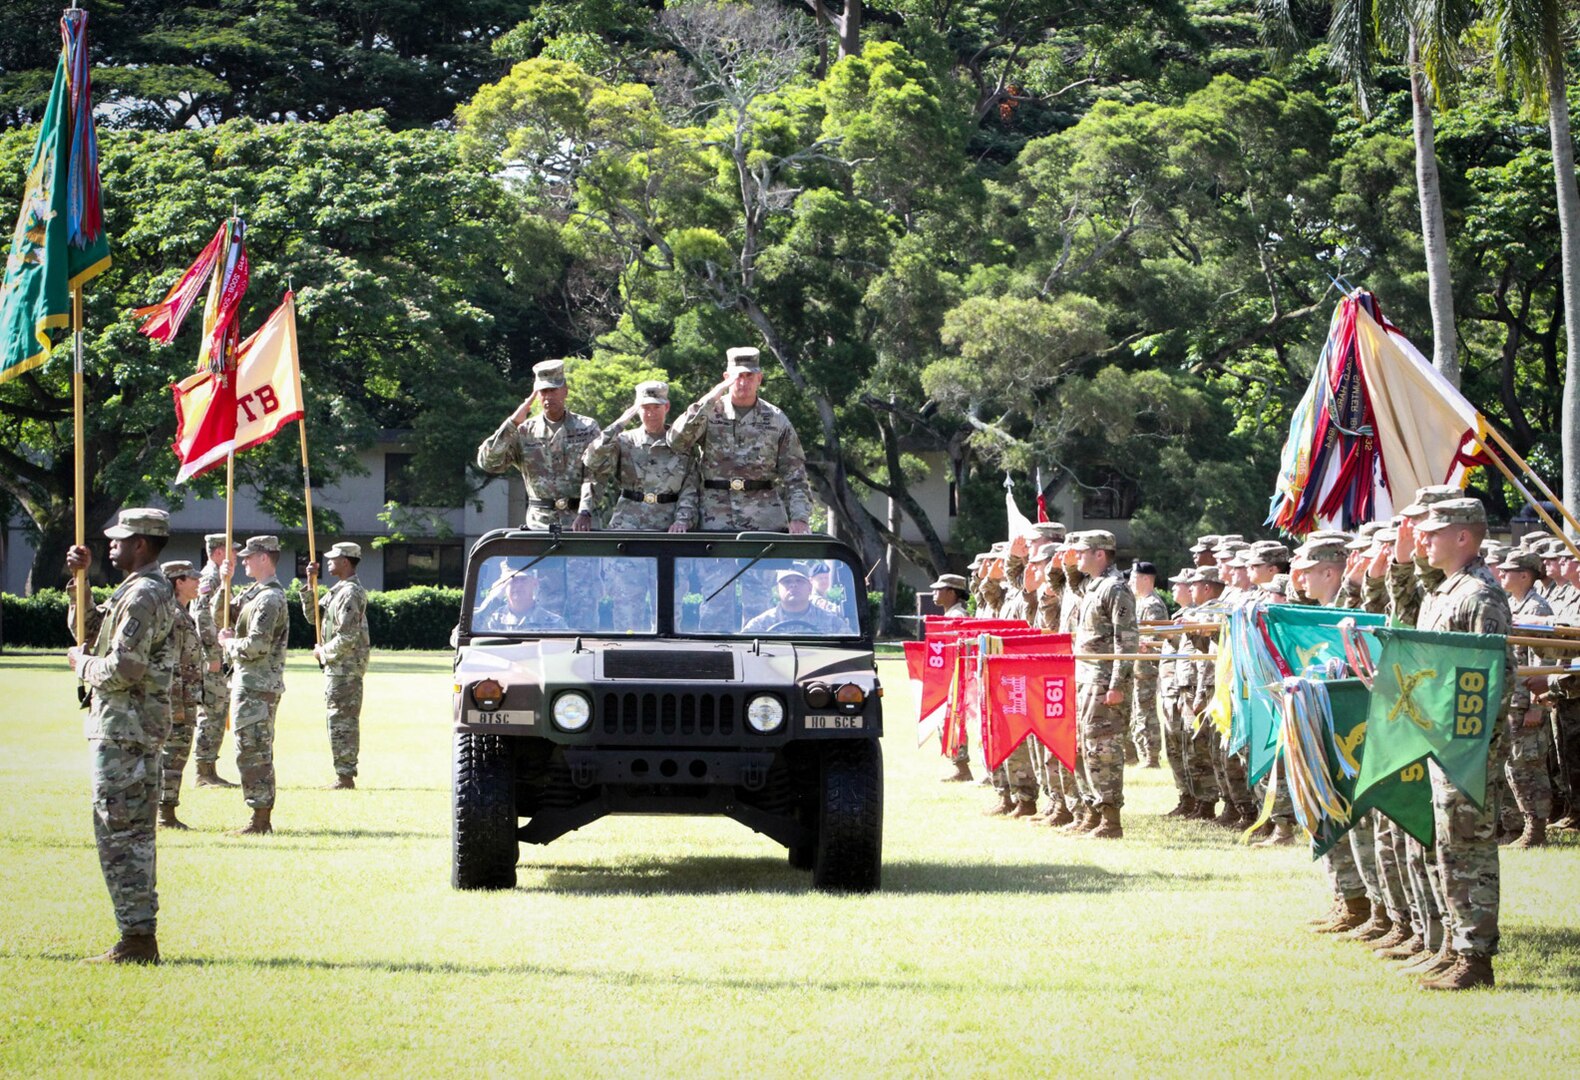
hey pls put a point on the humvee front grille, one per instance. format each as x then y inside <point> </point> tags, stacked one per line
<point>656,664</point>
<point>668,714</point>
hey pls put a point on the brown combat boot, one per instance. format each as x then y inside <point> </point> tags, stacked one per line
<point>168,819</point>
<point>1356,912</point>
<point>1334,911</point>
<point>1186,807</point>
<point>1397,935</point>
<point>1084,818</point>
<point>1283,835</point>
<point>1376,928</point>
<point>1229,817</point>
<point>1432,965</point>
<point>1408,950</point>
<point>1000,808</point>
<point>1060,817</point>
<point>342,783</point>
<point>1024,808</point>
<point>259,825</point>
<point>1108,826</point>
<point>1131,757</point>
<point>959,773</point>
<point>208,777</point>
<point>1467,973</point>
<point>1206,809</point>
<point>131,949</point>
<point>1535,835</point>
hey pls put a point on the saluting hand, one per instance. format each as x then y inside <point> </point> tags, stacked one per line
<point>720,390</point>
<point>524,410</point>
<point>799,528</point>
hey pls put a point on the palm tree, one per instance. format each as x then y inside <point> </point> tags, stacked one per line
<point>1428,33</point>
<point>1530,54</point>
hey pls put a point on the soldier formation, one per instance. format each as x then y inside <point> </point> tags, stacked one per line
<point>1432,909</point>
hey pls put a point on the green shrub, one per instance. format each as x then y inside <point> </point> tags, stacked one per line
<point>39,621</point>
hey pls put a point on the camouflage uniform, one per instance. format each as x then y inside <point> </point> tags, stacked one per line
<point>502,620</point>
<point>821,620</point>
<point>1105,623</point>
<point>1526,772</point>
<point>1469,602</point>
<point>257,657</point>
<point>128,670</point>
<point>1077,791</point>
<point>1017,776</point>
<point>1174,678</point>
<point>186,690</point>
<point>752,469</point>
<point>214,702</point>
<point>345,656</point>
<point>1144,727</point>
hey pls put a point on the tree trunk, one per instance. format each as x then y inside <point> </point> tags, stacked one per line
<point>1569,239</point>
<point>1434,236</point>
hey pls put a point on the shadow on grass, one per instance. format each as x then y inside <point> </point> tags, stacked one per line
<point>1548,958</point>
<point>433,665</point>
<point>35,662</point>
<point>718,874</point>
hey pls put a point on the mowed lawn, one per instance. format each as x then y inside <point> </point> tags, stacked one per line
<point>688,947</point>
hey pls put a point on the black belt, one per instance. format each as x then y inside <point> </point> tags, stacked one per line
<point>739,485</point>
<point>549,504</point>
<point>650,497</point>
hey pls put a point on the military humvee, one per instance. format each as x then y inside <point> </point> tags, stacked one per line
<point>651,673</point>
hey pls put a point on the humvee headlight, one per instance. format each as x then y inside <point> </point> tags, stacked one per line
<point>850,697</point>
<point>572,711</point>
<point>488,695</point>
<point>765,713</point>
<point>819,696</point>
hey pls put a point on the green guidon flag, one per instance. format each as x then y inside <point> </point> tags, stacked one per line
<point>59,241</point>
<point>1405,796</point>
<point>1437,696</point>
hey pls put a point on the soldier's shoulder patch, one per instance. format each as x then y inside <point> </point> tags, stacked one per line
<point>130,628</point>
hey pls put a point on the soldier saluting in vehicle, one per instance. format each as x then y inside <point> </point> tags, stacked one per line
<point>548,450</point>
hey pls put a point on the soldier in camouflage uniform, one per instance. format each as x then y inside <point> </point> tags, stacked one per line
<point>214,704</point>
<point>1105,623</point>
<point>548,449</point>
<point>1563,691</point>
<point>127,671</point>
<point>655,488</point>
<point>1467,602</point>
<point>1170,673</point>
<point>255,645</point>
<point>343,655</point>
<point>795,613</point>
<point>752,467</point>
<point>186,689</point>
<point>1528,736</point>
<point>512,606</point>
<point>1200,686</point>
<point>1145,730</point>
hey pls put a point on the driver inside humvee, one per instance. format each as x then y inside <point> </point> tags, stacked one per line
<point>795,610</point>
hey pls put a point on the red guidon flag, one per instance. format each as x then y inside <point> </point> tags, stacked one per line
<point>1029,695</point>
<point>216,416</point>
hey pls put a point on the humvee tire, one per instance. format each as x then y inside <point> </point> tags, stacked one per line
<point>848,854</point>
<point>483,848</point>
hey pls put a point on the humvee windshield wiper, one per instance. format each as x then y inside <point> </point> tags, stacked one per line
<point>499,586</point>
<point>760,557</point>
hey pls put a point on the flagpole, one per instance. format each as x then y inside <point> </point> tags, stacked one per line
<point>1521,462</point>
<point>1492,455</point>
<point>230,530</point>
<point>80,479</point>
<point>307,494</point>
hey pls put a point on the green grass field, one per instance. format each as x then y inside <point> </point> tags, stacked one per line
<point>687,947</point>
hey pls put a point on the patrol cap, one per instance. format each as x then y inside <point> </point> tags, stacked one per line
<point>517,567</point>
<point>1279,585</point>
<point>1206,575</point>
<point>977,560</point>
<point>1523,560</point>
<point>1554,549</point>
<point>143,521</point>
<point>1430,496</point>
<point>950,581</point>
<point>1270,553</point>
<point>216,540</point>
<point>1050,530</point>
<point>1533,541</point>
<point>1204,543</point>
<point>1451,512</point>
<point>998,549</point>
<point>344,550</point>
<point>1315,552</point>
<point>1184,577</point>
<point>1388,534</point>
<point>257,545</point>
<point>1042,554</point>
<point>1094,540</point>
<point>743,358</point>
<point>549,375</point>
<point>1328,534</point>
<point>1231,538</point>
<point>791,572</point>
<point>178,568</point>
<point>1227,548</point>
<point>1365,536</point>
<point>652,392</point>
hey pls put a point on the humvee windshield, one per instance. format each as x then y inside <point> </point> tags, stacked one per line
<point>620,595</point>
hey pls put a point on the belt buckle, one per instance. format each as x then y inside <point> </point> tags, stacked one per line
<point>737,484</point>
<point>650,498</point>
<point>561,504</point>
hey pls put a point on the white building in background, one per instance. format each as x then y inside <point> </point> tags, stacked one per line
<point>440,559</point>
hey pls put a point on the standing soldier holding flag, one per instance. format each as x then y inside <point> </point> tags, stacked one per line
<point>343,655</point>
<point>256,649</point>
<point>214,704</point>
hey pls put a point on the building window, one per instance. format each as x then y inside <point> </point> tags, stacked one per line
<point>403,484</point>
<point>1116,498</point>
<point>406,565</point>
